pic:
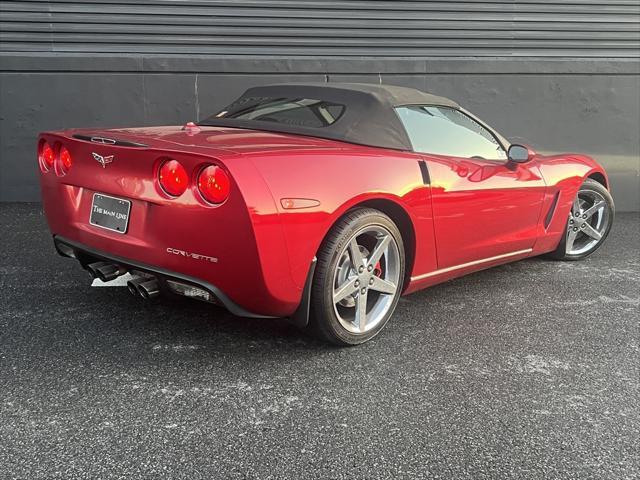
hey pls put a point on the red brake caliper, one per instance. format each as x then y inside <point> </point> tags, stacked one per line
<point>377,271</point>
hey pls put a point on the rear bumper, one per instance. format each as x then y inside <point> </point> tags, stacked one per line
<point>238,249</point>
<point>86,255</point>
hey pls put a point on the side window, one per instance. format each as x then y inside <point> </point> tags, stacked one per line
<point>447,131</point>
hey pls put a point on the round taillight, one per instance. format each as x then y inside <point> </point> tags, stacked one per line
<point>214,184</point>
<point>173,178</point>
<point>46,157</point>
<point>65,162</point>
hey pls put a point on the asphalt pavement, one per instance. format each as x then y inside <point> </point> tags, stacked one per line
<point>529,370</point>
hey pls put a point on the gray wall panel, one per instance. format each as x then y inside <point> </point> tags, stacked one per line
<point>595,114</point>
<point>33,102</point>
<point>565,75</point>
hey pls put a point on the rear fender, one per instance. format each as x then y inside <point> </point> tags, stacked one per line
<point>333,180</point>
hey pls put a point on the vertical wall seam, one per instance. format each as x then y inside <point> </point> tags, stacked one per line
<point>144,98</point>
<point>195,87</point>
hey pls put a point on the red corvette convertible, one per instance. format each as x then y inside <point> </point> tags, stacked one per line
<point>318,202</point>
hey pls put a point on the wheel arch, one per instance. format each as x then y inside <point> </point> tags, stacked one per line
<point>398,214</point>
<point>600,178</point>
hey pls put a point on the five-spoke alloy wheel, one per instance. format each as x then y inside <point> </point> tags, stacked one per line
<point>358,277</point>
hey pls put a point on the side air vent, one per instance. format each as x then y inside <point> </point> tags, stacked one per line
<point>424,171</point>
<point>109,141</point>
<point>552,209</point>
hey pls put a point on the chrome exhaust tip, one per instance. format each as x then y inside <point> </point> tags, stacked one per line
<point>149,289</point>
<point>109,272</point>
<point>132,286</point>
<point>92,268</point>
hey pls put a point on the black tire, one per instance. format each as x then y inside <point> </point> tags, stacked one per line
<point>324,322</point>
<point>560,253</point>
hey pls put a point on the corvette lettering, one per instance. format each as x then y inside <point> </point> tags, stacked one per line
<point>195,256</point>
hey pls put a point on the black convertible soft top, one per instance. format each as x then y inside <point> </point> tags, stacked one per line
<point>353,112</point>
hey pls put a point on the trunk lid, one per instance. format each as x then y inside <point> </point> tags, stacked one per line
<point>235,140</point>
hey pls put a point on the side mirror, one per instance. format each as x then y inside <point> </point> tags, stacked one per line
<point>519,153</point>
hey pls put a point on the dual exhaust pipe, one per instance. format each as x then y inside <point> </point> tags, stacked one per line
<point>145,287</point>
<point>105,271</point>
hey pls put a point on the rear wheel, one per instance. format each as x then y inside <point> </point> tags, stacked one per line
<point>588,224</point>
<point>358,278</point>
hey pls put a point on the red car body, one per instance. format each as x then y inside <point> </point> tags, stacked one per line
<point>257,249</point>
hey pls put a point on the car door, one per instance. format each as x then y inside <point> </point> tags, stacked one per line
<point>483,205</point>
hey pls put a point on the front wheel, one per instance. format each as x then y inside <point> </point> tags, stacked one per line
<point>358,278</point>
<point>588,224</point>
